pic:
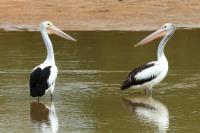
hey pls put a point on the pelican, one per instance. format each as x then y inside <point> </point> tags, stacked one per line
<point>150,74</point>
<point>43,76</point>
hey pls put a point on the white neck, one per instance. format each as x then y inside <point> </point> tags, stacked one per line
<point>47,41</point>
<point>160,52</point>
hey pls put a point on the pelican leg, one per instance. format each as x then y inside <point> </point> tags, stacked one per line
<point>51,94</point>
<point>38,99</point>
<point>148,91</point>
<point>51,91</point>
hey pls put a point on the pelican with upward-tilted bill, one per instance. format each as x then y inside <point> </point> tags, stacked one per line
<point>152,73</point>
<point>43,76</point>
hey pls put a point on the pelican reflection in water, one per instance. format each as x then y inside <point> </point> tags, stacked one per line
<point>149,111</point>
<point>44,116</point>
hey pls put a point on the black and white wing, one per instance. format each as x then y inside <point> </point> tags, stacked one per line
<point>39,81</point>
<point>141,75</point>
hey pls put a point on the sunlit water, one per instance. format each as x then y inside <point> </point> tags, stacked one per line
<point>87,96</point>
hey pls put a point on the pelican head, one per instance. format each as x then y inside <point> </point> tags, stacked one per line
<point>51,29</point>
<point>165,30</point>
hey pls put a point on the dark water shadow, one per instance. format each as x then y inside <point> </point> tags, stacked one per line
<point>149,111</point>
<point>44,116</point>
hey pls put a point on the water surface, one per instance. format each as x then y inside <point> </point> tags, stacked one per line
<point>87,96</point>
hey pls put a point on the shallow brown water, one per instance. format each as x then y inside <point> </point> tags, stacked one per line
<point>87,97</point>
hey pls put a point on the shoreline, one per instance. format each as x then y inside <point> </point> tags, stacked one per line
<point>102,15</point>
<point>32,29</point>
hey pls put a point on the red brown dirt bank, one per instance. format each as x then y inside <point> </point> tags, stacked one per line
<point>99,14</point>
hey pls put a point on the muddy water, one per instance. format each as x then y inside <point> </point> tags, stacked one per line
<point>87,97</point>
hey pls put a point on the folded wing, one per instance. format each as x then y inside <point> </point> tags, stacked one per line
<point>39,81</point>
<point>141,75</point>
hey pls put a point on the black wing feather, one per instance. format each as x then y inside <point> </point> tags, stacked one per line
<point>131,77</point>
<point>38,81</point>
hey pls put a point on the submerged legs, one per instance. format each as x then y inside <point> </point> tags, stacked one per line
<point>38,99</point>
<point>148,91</point>
<point>51,91</point>
<point>51,94</point>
